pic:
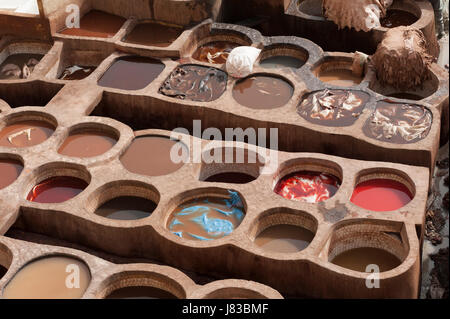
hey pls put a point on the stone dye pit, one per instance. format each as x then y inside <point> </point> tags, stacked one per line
<point>214,52</point>
<point>358,259</point>
<point>56,190</point>
<point>333,107</point>
<point>87,144</point>
<point>153,34</point>
<point>339,77</point>
<point>395,18</point>
<point>76,72</point>
<point>381,195</point>
<point>151,156</point>
<point>96,24</point>
<point>19,66</point>
<point>46,279</point>
<point>281,61</point>
<point>131,73</point>
<point>140,293</point>
<point>207,218</point>
<point>25,134</point>
<point>262,92</point>
<point>126,208</point>
<point>9,171</point>
<point>195,83</point>
<point>284,239</point>
<point>399,123</point>
<point>311,187</point>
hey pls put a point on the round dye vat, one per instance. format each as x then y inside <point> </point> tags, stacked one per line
<point>340,77</point>
<point>131,73</point>
<point>96,24</point>
<point>56,190</point>
<point>214,52</point>
<point>207,218</point>
<point>9,172</point>
<point>126,208</point>
<point>49,278</point>
<point>284,239</point>
<point>153,34</point>
<point>231,177</point>
<point>150,156</point>
<point>140,293</point>
<point>262,92</point>
<point>280,61</point>
<point>75,72</point>
<point>310,187</point>
<point>381,195</point>
<point>396,18</point>
<point>25,134</point>
<point>19,66</point>
<point>87,144</point>
<point>406,96</point>
<point>359,258</point>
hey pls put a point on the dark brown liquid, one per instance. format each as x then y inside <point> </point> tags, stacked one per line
<point>195,83</point>
<point>9,172</point>
<point>214,52</point>
<point>96,24</point>
<point>284,238</point>
<point>131,73</point>
<point>262,92</point>
<point>25,134</point>
<point>150,155</point>
<point>76,72</point>
<point>140,293</point>
<point>87,145</point>
<point>276,62</point>
<point>340,77</point>
<point>126,208</point>
<point>359,258</point>
<point>396,18</point>
<point>406,96</point>
<point>56,190</point>
<point>47,278</point>
<point>231,177</point>
<point>19,66</point>
<point>333,107</point>
<point>3,271</point>
<point>154,34</point>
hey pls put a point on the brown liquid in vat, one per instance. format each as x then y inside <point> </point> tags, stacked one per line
<point>86,145</point>
<point>25,134</point>
<point>140,293</point>
<point>284,238</point>
<point>340,77</point>
<point>154,34</point>
<point>359,258</point>
<point>9,172</point>
<point>126,208</point>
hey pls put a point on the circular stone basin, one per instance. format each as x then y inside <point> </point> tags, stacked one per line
<point>96,24</point>
<point>339,77</point>
<point>25,134</point>
<point>359,258</point>
<point>56,190</point>
<point>396,18</point>
<point>88,144</point>
<point>406,96</point>
<point>262,92</point>
<point>153,34</point>
<point>139,292</point>
<point>131,73</point>
<point>126,208</point>
<point>9,171</point>
<point>195,83</point>
<point>75,72</point>
<point>284,238</point>
<point>231,177</point>
<point>214,52</point>
<point>381,195</point>
<point>207,218</point>
<point>310,187</point>
<point>399,123</point>
<point>281,61</point>
<point>49,278</point>
<point>333,107</point>
<point>19,66</point>
<point>150,156</point>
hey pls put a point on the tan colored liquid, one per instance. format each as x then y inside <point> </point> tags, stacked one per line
<point>140,293</point>
<point>284,238</point>
<point>9,172</point>
<point>340,77</point>
<point>359,258</point>
<point>25,134</point>
<point>150,156</point>
<point>97,24</point>
<point>46,279</point>
<point>85,145</point>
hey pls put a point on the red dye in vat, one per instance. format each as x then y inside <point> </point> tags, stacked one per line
<point>311,187</point>
<point>381,195</point>
<point>56,190</point>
